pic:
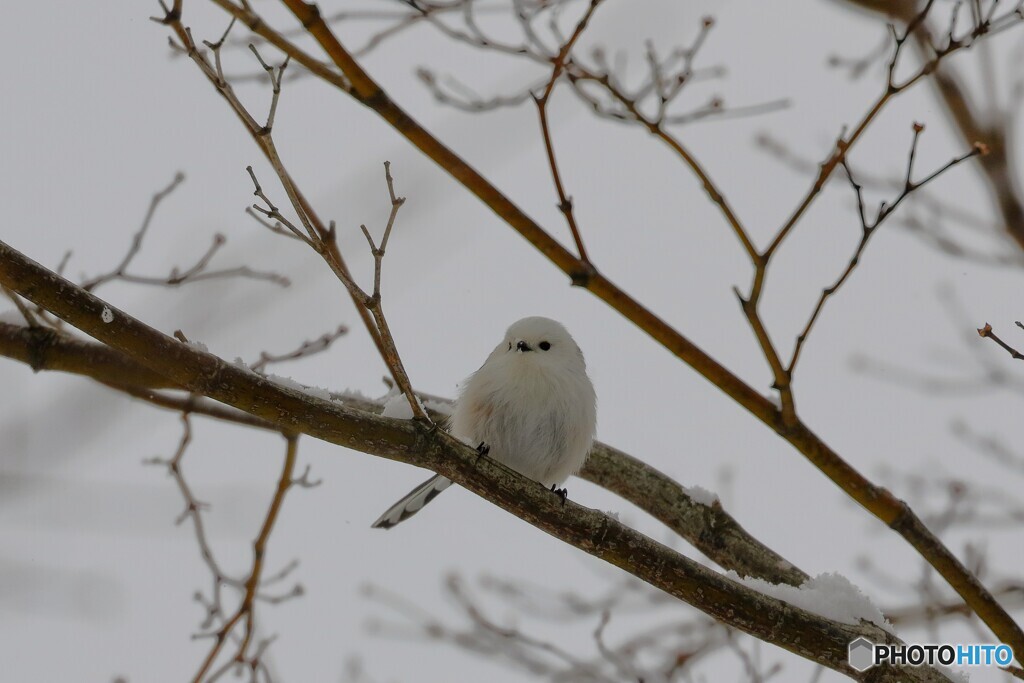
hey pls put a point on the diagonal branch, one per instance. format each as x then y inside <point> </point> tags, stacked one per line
<point>565,204</point>
<point>769,619</point>
<point>986,332</point>
<point>709,528</point>
<point>136,243</point>
<point>322,239</point>
<point>306,349</point>
<point>264,141</point>
<point>245,613</point>
<point>975,121</point>
<point>27,314</point>
<point>877,500</point>
<point>656,127</point>
<point>893,88</point>
<point>869,226</point>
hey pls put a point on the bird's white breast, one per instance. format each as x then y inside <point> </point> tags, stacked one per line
<point>538,422</point>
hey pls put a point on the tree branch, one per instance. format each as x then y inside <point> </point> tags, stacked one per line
<point>245,613</point>
<point>986,332</point>
<point>875,499</point>
<point>814,637</point>
<point>709,528</point>
<point>869,226</point>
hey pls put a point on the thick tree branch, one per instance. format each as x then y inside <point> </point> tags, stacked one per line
<point>710,529</point>
<point>42,348</point>
<point>796,630</point>
<point>877,500</point>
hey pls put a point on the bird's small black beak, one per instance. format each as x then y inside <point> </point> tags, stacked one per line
<point>523,346</point>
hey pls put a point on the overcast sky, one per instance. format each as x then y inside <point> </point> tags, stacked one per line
<point>96,581</point>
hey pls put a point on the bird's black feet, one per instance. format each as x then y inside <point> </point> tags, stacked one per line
<point>482,450</point>
<point>561,493</point>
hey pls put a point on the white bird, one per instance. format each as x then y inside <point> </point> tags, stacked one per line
<point>530,406</point>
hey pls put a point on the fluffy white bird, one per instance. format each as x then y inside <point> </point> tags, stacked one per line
<point>530,406</point>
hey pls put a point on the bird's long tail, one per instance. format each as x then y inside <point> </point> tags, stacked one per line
<point>412,502</point>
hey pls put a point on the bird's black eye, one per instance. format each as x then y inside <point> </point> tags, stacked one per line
<point>544,346</point>
<point>510,346</point>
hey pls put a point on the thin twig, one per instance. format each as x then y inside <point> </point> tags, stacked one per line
<point>876,499</point>
<point>195,273</point>
<point>781,374</point>
<point>565,203</point>
<point>373,303</point>
<point>306,349</point>
<point>598,534</point>
<point>986,332</point>
<point>193,511</point>
<point>136,243</point>
<point>869,226</point>
<point>247,609</point>
<point>313,226</point>
<point>27,314</point>
<point>322,239</point>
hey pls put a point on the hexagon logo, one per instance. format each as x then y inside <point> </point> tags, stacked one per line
<point>862,654</point>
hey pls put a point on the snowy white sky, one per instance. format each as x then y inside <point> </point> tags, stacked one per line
<point>97,117</point>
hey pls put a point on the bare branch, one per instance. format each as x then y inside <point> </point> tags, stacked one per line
<point>272,212</point>
<point>710,529</point>
<point>893,88</point>
<point>195,273</point>
<point>986,332</point>
<point>246,611</point>
<point>193,512</point>
<point>877,500</point>
<point>389,349</point>
<point>868,227</point>
<point>669,647</point>
<point>307,348</point>
<point>415,443</point>
<point>323,240</point>
<point>136,243</point>
<point>29,317</point>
